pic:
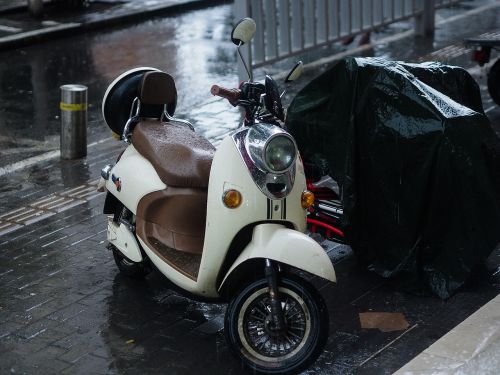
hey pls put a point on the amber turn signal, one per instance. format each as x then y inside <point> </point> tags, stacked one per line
<point>307,199</point>
<point>232,198</point>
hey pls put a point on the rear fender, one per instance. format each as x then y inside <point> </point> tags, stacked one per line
<point>124,240</point>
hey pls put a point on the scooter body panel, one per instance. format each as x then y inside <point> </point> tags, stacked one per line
<point>223,224</point>
<point>273,241</point>
<point>124,240</point>
<point>132,178</point>
<point>138,178</point>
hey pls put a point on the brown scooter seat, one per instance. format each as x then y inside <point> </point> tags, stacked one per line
<point>181,157</point>
<point>172,221</point>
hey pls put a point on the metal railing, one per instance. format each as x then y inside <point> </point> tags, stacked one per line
<point>290,27</point>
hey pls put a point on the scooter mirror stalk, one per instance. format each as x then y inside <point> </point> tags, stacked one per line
<point>295,73</point>
<point>242,33</point>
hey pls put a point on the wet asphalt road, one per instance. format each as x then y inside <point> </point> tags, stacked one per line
<point>64,308</point>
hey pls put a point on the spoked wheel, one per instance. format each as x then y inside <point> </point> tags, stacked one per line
<point>135,270</point>
<point>250,334</point>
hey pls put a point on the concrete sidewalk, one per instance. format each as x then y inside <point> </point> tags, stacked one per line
<point>473,347</point>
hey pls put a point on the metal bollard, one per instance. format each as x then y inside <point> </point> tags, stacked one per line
<point>35,7</point>
<point>73,121</point>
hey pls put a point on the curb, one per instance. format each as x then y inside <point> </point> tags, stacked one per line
<point>67,29</point>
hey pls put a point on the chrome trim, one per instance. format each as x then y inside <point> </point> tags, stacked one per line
<point>132,118</point>
<point>260,175</point>
<point>258,138</point>
<point>106,171</point>
<point>331,209</point>
<point>136,104</point>
<point>168,117</point>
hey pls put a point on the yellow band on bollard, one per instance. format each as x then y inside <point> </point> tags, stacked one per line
<point>73,107</point>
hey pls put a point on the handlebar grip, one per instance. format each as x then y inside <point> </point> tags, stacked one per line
<point>232,95</point>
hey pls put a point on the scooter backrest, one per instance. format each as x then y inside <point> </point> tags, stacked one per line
<point>157,88</point>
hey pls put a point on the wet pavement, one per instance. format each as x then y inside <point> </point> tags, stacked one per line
<point>197,56</point>
<point>64,308</point>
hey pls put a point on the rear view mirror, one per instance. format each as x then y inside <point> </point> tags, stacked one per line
<point>243,31</point>
<point>295,73</point>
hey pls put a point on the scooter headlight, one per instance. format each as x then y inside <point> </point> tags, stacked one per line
<point>280,153</point>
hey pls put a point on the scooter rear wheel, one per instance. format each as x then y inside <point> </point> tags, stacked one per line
<point>128,268</point>
<point>266,351</point>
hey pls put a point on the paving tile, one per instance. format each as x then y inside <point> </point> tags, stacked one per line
<point>44,361</point>
<point>429,363</point>
<point>89,364</point>
<point>466,340</point>
<point>92,311</point>
<point>212,326</point>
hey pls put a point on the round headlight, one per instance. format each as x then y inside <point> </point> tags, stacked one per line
<point>280,153</point>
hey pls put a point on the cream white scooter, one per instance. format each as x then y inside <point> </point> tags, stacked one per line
<point>223,224</point>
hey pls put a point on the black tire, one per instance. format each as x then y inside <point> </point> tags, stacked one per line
<point>494,82</point>
<point>306,338</point>
<point>135,270</point>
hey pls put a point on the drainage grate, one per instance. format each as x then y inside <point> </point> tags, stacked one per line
<point>47,206</point>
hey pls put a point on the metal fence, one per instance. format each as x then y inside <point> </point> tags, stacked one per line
<point>290,27</point>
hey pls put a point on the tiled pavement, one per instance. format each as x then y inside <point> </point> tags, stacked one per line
<point>64,308</point>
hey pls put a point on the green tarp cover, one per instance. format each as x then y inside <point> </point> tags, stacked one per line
<point>414,155</point>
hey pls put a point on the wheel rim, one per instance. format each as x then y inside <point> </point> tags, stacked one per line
<point>263,345</point>
<point>127,262</point>
<point>122,259</point>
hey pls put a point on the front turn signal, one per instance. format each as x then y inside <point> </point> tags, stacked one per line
<point>307,199</point>
<point>232,198</point>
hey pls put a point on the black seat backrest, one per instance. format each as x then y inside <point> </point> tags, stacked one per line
<point>157,88</point>
<point>156,92</point>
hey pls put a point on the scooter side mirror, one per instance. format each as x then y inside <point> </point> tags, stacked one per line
<point>295,73</point>
<point>243,31</point>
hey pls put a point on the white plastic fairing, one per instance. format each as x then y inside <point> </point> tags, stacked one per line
<point>273,241</point>
<point>124,240</point>
<point>137,177</point>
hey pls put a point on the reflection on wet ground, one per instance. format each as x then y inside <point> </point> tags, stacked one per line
<point>64,308</point>
<point>63,305</point>
<point>194,47</point>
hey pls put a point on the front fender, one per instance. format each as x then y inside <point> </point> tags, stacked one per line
<point>273,241</point>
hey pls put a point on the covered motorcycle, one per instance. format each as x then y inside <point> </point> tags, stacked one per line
<point>417,162</point>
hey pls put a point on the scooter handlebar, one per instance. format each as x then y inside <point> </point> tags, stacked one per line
<point>232,95</point>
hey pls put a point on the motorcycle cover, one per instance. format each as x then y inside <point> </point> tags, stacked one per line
<point>417,161</point>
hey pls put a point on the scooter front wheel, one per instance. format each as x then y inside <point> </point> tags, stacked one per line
<point>249,332</point>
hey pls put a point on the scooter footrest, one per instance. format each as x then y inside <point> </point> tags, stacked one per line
<point>186,263</point>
